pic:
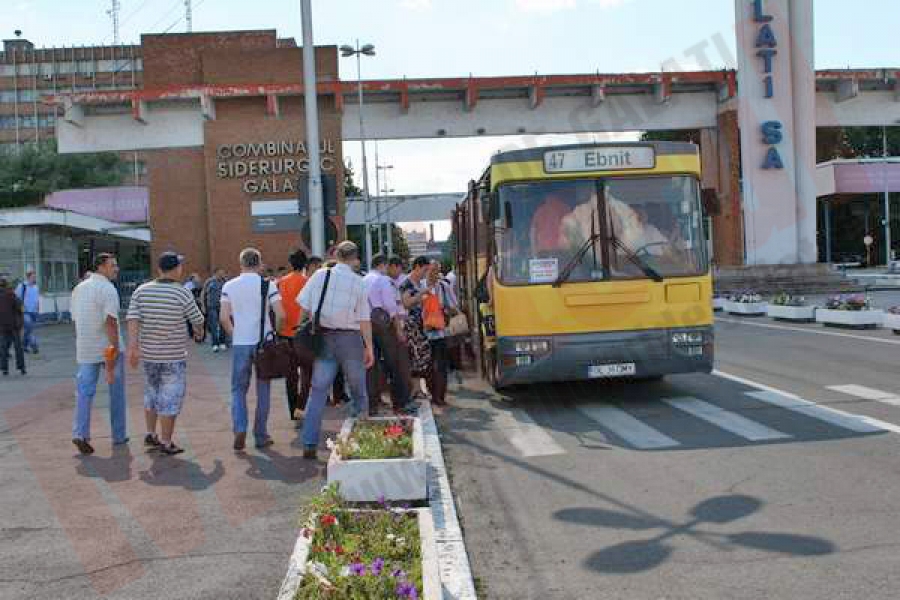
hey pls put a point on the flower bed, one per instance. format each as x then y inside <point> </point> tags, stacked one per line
<point>380,458</point>
<point>850,311</point>
<point>375,439</point>
<point>746,304</point>
<point>344,554</point>
<point>785,307</point>
<point>892,319</point>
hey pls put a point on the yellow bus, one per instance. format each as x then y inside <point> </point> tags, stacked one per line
<point>587,262</point>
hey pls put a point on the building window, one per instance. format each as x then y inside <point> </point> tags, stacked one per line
<point>46,120</point>
<point>7,122</point>
<point>7,96</point>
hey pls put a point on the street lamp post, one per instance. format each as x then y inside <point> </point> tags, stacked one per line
<point>368,50</point>
<point>381,211</point>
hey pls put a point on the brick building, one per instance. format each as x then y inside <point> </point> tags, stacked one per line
<point>202,198</point>
<point>29,75</point>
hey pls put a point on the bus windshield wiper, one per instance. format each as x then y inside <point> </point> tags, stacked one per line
<point>575,260</point>
<point>633,257</point>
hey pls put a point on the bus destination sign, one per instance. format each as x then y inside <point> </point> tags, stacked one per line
<point>599,158</point>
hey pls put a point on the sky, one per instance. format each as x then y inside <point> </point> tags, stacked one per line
<point>451,38</point>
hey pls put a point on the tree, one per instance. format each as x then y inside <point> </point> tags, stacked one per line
<point>35,170</point>
<point>356,234</point>
<point>855,142</point>
<point>350,188</point>
<point>672,135</point>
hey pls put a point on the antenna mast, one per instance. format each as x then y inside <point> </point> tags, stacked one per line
<point>188,19</point>
<point>113,13</point>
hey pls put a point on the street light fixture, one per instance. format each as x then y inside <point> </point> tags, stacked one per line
<point>346,52</point>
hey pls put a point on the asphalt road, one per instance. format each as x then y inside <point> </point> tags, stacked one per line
<point>697,487</point>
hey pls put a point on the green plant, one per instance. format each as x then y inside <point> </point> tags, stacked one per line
<point>785,299</point>
<point>376,440</point>
<point>359,555</point>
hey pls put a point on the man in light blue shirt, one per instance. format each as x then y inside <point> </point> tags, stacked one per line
<point>28,293</point>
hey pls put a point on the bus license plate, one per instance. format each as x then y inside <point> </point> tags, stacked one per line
<point>616,370</point>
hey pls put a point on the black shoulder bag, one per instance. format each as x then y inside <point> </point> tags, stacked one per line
<point>308,341</point>
<point>274,358</point>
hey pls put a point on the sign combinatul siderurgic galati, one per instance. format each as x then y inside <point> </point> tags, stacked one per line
<point>270,167</point>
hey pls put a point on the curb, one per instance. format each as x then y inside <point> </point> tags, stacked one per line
<point>456,573</point>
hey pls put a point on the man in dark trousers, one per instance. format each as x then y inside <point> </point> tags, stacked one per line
<point>11,319</point>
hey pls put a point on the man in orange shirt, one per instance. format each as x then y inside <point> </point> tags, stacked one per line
<point>290,286</point>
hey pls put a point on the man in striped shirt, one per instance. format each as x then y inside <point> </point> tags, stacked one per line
<point>156,334</point>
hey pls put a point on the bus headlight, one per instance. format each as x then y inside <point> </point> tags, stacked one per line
<point>533,346</point>
<point>681,338</point>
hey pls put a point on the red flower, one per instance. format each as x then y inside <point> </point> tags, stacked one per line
<point>339,550</point>
<point>394,431</point>
<point>328,520</point>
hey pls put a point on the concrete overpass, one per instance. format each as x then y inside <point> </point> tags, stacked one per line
<point>469,107</point>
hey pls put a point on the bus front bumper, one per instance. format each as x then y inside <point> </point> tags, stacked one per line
<point>604,355</point>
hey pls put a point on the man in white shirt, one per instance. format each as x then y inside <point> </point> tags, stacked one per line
<point>95,311</point>
<point>347,331</point>
<point>240,317</point>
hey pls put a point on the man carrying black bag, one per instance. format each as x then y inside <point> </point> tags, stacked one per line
<point>246,301</point>
<point>341,309</point>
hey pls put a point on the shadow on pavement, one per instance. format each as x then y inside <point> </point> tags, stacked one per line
<point>643,555</point>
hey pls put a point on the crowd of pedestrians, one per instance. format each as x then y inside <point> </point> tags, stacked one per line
<point>382,332</point>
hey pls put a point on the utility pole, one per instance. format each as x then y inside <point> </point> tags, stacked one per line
<point>316,210</point>
<point>887,197</point>
<point>188,17</point>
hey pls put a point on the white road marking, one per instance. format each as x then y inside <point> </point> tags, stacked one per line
<point>729,421</point>
<point>627,427</point>
<point>810,330</point>
<point>525,435</point>
<point>861,391</point>
<point>789,401</point>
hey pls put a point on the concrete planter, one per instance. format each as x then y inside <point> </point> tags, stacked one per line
<point>391,479</point>
<point>718,304</point>
<point>892,321</point>
<point>431,577</point>
<point>745,309</point>
<point>805,314</point>
<point>859,319</point>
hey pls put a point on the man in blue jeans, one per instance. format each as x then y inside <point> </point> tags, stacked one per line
<point>242,302</point>
<point>95,311</point>
<point>28,293</point>
<point>347,331</point>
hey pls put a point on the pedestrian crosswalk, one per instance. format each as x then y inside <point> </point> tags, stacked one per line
<point>762,416</point>
<point>627,427</point>
<point>729,421</point>
<point>866,393</point>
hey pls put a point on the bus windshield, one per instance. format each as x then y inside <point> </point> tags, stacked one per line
<point>655,220</point>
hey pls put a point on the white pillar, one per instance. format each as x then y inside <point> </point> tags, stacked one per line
<point>316,210</point>
<point>803,88</point>
<point>769,194</point>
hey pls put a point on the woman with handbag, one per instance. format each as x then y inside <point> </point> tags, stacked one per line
<point>435,301</point>
<point>414,327</point>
